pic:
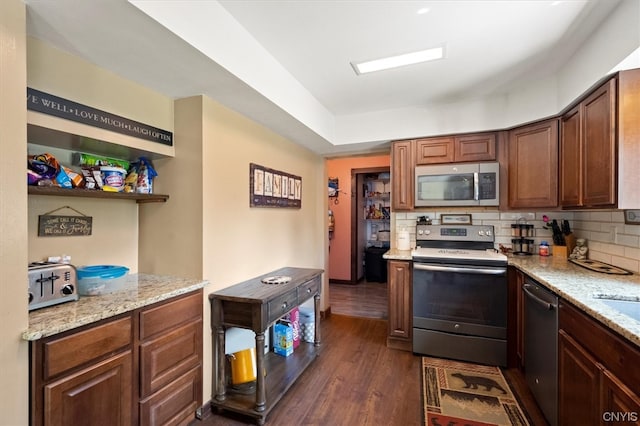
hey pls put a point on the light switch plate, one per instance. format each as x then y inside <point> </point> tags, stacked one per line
<point>632,217</point>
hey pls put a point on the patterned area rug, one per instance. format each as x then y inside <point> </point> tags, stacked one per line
<point>462,394</point>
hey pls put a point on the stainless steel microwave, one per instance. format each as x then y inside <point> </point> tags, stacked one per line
<point>464,184</point>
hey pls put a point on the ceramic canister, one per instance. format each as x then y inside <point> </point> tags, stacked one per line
<point>403,240</point>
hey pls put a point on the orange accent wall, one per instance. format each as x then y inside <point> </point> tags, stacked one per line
<point>340,245</point>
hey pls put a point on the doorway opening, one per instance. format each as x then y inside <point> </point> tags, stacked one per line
<point>365,294</point>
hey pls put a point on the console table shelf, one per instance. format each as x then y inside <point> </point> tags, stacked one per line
<point>255,305</point>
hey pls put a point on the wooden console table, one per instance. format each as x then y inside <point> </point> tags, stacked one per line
<point>254,305</point>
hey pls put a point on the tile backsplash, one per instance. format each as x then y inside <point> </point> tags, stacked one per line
<point>609,239</point>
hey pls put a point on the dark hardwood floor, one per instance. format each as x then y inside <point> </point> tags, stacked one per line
<point>365,299</point>
<point>356,380</point>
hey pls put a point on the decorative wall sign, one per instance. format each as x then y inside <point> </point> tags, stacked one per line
<point>64,226</point>
<point>273,188</point>
<point>69,110</point>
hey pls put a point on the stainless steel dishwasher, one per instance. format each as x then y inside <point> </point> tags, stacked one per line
<point>541,347</point>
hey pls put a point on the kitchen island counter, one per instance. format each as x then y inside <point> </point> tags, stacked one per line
<point>579,285</point>
<point>140,290</point>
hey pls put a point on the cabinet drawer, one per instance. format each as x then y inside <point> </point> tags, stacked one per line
<point>65,353</point>
<point>166,358</point>
<point>169,315</point>
<point>175,404</point>
<point>613,351</point>
<point>281,305</point>
<point>308,289</point>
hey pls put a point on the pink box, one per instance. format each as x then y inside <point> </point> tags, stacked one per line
<point>294,319</point>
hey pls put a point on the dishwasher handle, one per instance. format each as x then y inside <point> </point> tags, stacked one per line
<point>548,306</point>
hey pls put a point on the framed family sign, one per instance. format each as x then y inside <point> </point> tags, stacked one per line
<point>273,188</point>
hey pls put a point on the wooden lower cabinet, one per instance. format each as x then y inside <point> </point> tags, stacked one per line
<point>174,404</point>
<point>579,384</point>
<point>171,362</point>
<point>598,373</point>
<point>620,404</point>
<point>98,395</point>
<point>400,305</point>
<point>143,367</point>
<point>515,320</point>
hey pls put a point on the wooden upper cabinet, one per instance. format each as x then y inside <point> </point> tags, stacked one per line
<point>533,165</point>
<point>588,151</point>
<point>453,149</point>
<point>435,150</point>
<point>570,163</point>
<point>599,146</point>
<point>480,147</point>
<point>402,175</point>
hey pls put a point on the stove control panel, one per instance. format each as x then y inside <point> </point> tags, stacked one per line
<point>51,283</point>
<point>478,233</point>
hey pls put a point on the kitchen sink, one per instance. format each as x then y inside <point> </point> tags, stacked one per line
<point>630,308</point>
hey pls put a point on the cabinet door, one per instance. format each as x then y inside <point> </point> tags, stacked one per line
<point>98,395</point>
<point>402,175</point>
<point>533,165</point>
<point>578,384</point>
<point>619,404</point>
<point>480,147</point>
<point>570,159</point>
<point>400,302</point>
<point>599,144</point>
<point>435,150</point>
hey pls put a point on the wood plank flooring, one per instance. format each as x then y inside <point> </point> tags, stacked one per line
<point>365,299</point>
<point>356,380</point>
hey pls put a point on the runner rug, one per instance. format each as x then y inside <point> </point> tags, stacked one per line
<point>463,394</point>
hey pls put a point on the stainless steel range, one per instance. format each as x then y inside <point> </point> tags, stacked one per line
<point>459,294</point>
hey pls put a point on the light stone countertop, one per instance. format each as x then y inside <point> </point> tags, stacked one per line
<point>141,290</point>
<point>578,286</point>
<point>395,254</point>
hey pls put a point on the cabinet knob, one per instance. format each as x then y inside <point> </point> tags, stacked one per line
<point>284,306</point>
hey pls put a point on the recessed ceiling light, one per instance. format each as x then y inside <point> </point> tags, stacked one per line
<point>399,61</point>
<point>555,3</point>
<point>423,11</point>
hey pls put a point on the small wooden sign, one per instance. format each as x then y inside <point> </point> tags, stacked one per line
<point>64,226</point>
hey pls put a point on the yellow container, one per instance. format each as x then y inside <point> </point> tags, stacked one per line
<point>243,366</point>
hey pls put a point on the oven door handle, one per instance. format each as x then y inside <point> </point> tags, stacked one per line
<point>479,271</point>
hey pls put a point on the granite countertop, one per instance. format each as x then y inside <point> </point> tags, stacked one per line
<point>395,254</point>
<point>140,290</point>
<point>579,285</point>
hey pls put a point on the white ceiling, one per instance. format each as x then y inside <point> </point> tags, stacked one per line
<point>286,64</point>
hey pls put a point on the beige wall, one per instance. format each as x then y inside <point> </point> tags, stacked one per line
<point>59,73</point>
<point>14,355</point>
<point>207,229</point>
